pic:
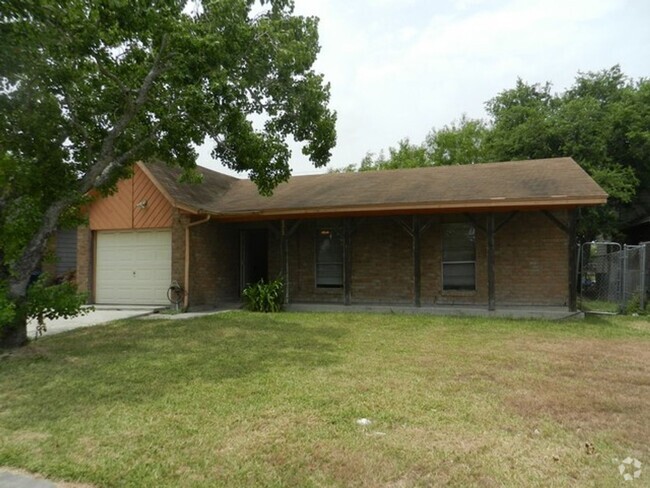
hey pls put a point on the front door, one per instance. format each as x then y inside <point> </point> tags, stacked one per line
<point>253,256</point>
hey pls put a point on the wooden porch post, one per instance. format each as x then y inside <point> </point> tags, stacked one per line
<point>347,261</point>
<point>284,258</point>
<point>573,261</point>
<point>417,276</point>
<point>490,262</point>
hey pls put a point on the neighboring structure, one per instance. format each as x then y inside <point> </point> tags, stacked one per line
<point>60,263</point>
<point>491,235</point>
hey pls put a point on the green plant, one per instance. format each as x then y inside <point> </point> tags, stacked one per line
<point>264,297</point>
<point>46,301</point>
<point>633,305</point>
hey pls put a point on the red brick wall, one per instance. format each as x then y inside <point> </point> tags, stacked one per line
<point>302,264</point>
<point>214,264</point>
<point>431,264</point>
<point>531,261</point>
<point>85,261</point>
<point>179,221</point>
<point>382,262</point>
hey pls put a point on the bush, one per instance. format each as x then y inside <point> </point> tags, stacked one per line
<point>47,301</point>
<point>633,305</point>
<point>264,297</point>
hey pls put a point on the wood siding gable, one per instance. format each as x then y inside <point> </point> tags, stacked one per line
<point>137,204</point>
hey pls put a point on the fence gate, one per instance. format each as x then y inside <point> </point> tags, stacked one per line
<point>612,278</point>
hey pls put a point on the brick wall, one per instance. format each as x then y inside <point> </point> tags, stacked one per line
<point>85,261</point>
<point>431,264</point>
<point>179,221</point>
<point>382,262</point>
<point>302,264</point>
<point>214,264</point>
<point>531,261</point>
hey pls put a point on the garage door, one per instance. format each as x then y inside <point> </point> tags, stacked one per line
<point>133,267</point>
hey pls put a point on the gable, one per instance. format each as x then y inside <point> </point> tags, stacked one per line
<point>137,204</point>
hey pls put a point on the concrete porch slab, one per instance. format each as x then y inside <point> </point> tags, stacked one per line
<point>531,312</point>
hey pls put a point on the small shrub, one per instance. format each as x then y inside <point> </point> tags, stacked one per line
<point>46,301</point>
<point>633,305</point>
<point>264,297</point>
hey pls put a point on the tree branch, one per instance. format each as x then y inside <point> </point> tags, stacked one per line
<point>102,69</point>
<point>106,155</point>
<point>75,121</point>
<point>33,252</point>
<point>123,158</point>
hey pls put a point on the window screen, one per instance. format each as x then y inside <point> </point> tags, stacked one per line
<point>329,259</point>
<point>459,257</point>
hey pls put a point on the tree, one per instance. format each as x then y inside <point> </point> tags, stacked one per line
<point>405,155</point>
<point>522,123</point>
<point>88,87</point>
<point>461,142</point>
<point>601,121</point>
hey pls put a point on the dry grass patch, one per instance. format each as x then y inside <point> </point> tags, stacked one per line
<point>589,385</point>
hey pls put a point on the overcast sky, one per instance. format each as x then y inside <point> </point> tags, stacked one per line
<point>399,68</point>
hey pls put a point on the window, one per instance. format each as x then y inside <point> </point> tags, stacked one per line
<point>459,257</point>
<point>329,259</point>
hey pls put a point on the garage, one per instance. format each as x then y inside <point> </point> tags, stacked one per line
<point>133,267</point>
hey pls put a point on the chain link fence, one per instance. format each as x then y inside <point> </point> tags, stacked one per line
<point>614,278</point>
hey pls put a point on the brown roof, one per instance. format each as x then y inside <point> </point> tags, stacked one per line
<point>192,197</point>
<point>532,184</point>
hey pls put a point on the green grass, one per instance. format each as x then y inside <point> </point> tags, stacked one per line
<point>599,306</point>
<point>243,399</point>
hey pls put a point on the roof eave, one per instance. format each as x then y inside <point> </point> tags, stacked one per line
<point>495,204</point>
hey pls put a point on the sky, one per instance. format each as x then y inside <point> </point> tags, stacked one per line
<point>399,68</point>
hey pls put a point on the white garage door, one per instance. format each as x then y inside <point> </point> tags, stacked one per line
<point>133,267</point>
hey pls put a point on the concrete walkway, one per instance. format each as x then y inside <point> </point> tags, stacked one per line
<point>101,315</point>
<point>15,480</point>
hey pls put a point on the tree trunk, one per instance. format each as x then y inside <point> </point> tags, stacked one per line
<point>14,334</point>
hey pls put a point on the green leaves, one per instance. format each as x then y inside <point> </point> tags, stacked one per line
<point>462,142</point>
<point>264,297</point>
<point>89,87</point>
<point>52,301</point>
<point>602,121</point>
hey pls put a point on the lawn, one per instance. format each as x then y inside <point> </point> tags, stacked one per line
<point>242,399</point>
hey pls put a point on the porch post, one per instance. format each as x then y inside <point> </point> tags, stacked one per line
<point>573,261</point>
<point>347,264</point>
<point>490,262</point>
<point>417,277</point>
<point>284,258</point>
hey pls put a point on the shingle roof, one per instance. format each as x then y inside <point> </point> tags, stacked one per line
<point>195,197</point>
<point>541,183</point>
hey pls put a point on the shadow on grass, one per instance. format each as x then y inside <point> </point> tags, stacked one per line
<point>135,361</point>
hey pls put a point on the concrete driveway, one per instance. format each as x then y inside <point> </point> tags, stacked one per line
<point>101,315</point>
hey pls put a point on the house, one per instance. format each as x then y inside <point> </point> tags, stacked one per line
<point>60,263</point>
<point>487,235</point>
